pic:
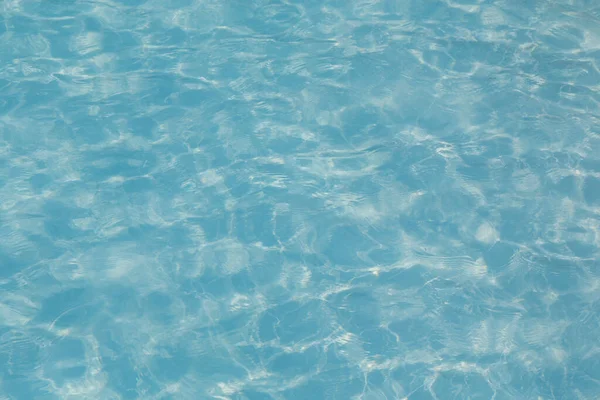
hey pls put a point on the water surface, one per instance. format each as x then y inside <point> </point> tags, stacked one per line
<point>285,199</point>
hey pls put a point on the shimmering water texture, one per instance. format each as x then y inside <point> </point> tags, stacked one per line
<point>285,199</point>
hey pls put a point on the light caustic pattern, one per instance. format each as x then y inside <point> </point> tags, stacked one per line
<point>361,199</point>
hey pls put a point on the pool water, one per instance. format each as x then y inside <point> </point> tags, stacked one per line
<point>286,199</point>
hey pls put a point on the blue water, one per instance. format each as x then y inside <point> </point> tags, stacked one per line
<point>286,199</point>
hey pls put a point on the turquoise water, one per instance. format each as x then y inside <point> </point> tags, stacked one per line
<point>285,199</point>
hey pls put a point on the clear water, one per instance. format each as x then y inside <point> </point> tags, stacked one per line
<point>285,199</point>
